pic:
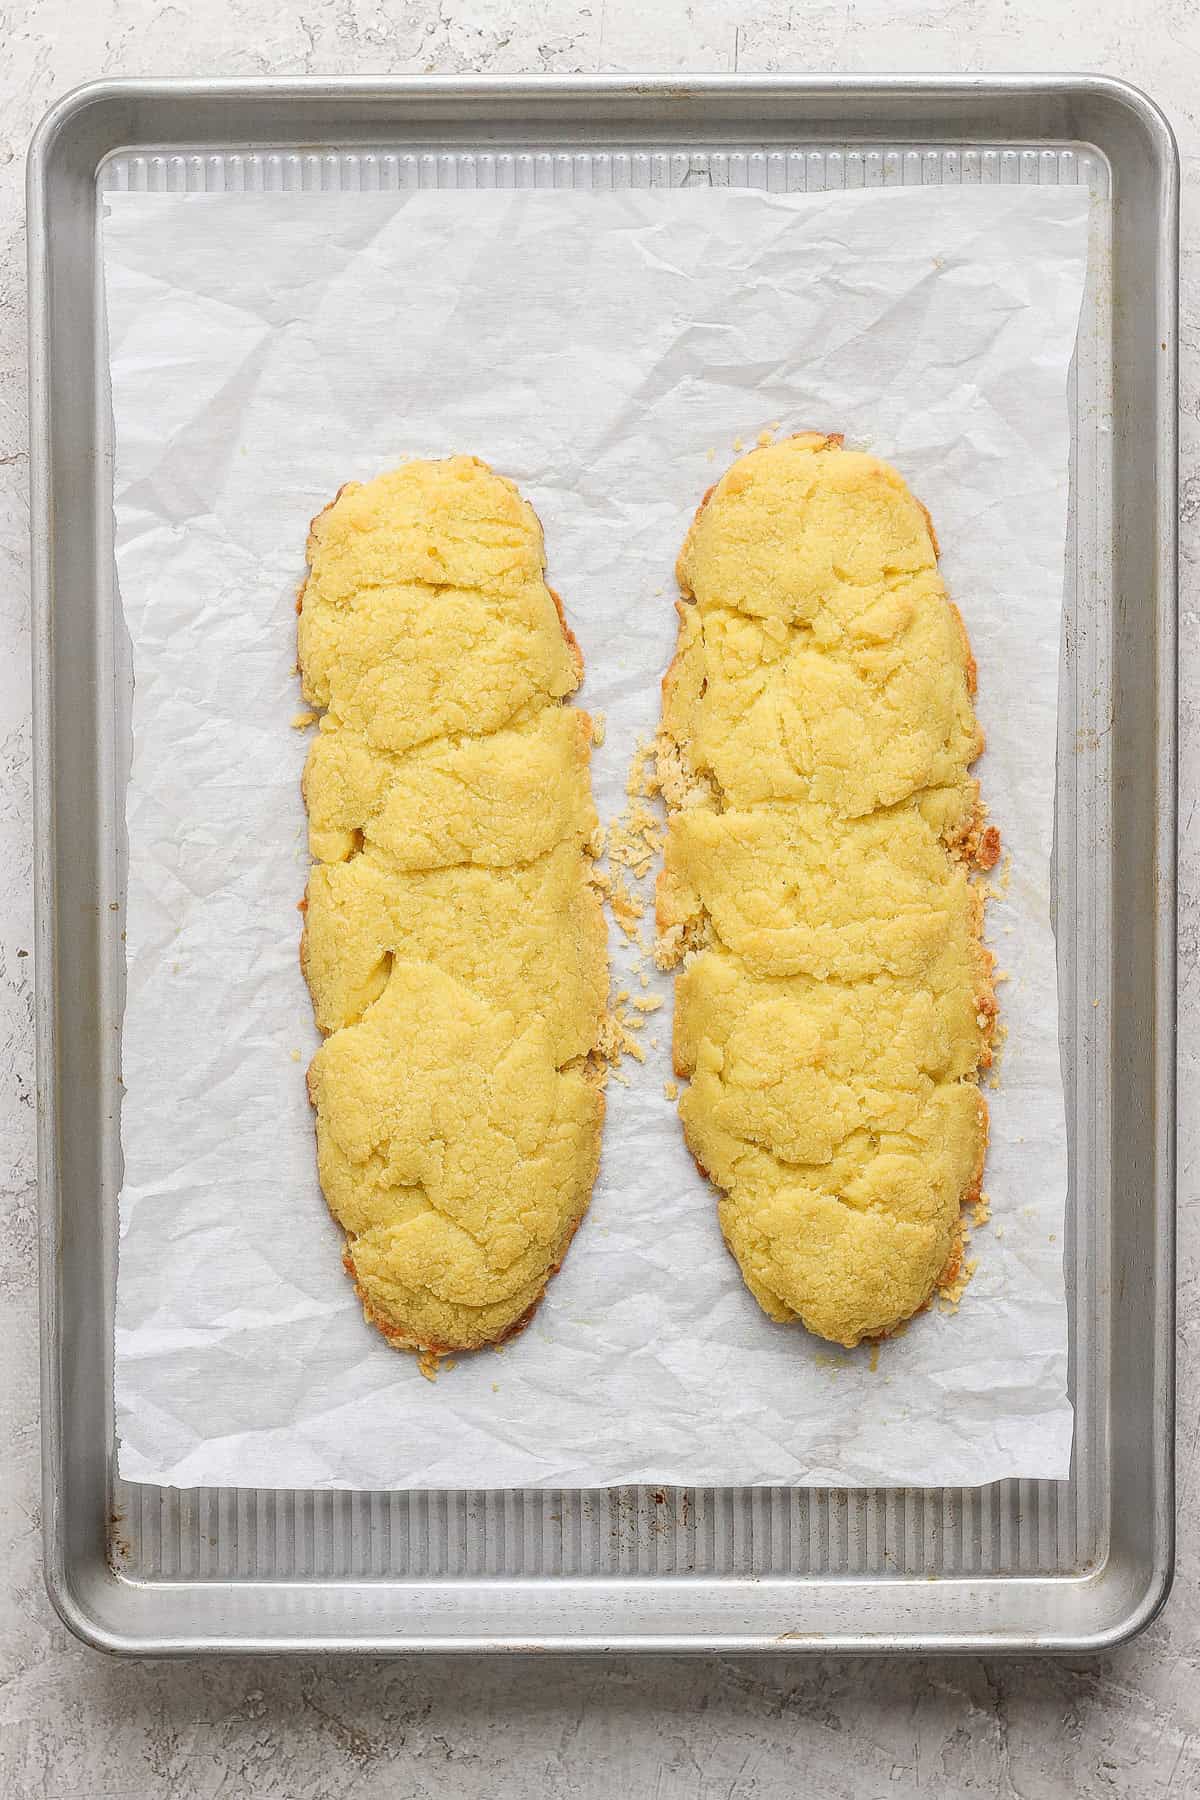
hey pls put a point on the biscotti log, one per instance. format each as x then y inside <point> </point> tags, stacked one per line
<point>836,1003</point>
<point>453,947</point>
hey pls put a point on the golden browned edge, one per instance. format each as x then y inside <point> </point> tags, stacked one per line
<point>591,1071</point>
<point>400,1340</point>
<point>976,843</point>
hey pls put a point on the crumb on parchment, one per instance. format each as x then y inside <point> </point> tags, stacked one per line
<point>632,844</point>
<point>635,839</point>
<point>642,781</point>
<point>668,947</point>
<point>626,906</point>
<point>616,1036</point>
<point>952,1293</point>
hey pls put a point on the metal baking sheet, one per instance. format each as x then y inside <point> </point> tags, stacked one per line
<point>1020,1565</point>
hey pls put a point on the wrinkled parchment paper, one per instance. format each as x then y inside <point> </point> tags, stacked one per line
<point>611,352</point>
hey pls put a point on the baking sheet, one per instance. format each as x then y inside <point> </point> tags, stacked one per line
<point>606,351</point>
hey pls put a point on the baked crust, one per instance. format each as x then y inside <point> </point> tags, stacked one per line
<point>837,1002</point>
<point>452,943</point>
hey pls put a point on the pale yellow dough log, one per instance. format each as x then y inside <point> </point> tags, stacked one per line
<point>837,1003</point>
<point>453,946</point>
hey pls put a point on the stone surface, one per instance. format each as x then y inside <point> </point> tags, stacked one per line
<point>74,1724</point>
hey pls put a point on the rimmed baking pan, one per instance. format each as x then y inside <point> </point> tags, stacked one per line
<point>1020,1565</point>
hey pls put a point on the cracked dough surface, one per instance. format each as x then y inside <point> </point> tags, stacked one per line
<point>836,1004</point>
<point>453,947</point>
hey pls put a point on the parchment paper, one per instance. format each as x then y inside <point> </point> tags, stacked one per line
<point>609,352</point>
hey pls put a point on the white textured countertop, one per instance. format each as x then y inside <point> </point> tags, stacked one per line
<point>74,1724</point>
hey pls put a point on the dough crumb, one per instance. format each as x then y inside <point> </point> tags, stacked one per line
<point>642,782</point>
<point>668,948</point>
<point>617,1040</point>
<point>954,1291</point>
<point>635,839</point>
<point>626,906</point>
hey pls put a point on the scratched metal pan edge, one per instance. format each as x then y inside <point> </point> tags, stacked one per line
<point>1021,1566</point>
